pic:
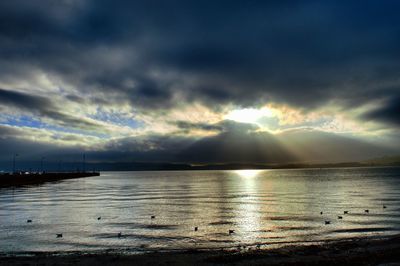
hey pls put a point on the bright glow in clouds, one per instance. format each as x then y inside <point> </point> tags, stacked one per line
<point>249,115</point>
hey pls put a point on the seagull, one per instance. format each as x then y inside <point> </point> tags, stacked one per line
<point>195,229</point>
<point>327,222</point>
<point>29,221</point>
<point>59,235</point>
<point>345,212</point>
<point>340,217</point>
<point>231,231</point>
<point>367,211</point>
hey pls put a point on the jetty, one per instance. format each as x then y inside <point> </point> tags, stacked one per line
<point>28,178</point>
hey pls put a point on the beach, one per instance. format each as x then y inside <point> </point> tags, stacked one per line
<point>357,251</point>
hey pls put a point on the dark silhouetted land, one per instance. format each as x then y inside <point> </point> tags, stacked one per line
<point>166,166</point>
<point>21,179</point>
<point>149,166</point>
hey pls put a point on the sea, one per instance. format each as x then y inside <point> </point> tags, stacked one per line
<point>160,210</point>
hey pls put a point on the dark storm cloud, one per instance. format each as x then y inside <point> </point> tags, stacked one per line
<point>184,125</point>
<point>389,112</point>
<point>23,142</point>
<point>42,107</point>
<point>304,53</point>
<point>24,100</point>
<point>223,126</point>
<point>243,52</point>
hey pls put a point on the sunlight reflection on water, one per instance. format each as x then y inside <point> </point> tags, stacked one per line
<point>248,173</point>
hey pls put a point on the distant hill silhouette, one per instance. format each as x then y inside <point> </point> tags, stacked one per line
<point>165,166</point>
<point>385,160</point>
<point>237,146</point>
<point>295,146</point>
<point>136,166</point>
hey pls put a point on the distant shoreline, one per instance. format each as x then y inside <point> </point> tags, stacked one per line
<point>355,251</point>
<point>173,167</point>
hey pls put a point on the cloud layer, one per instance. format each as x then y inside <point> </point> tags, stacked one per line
<point>110,77</point>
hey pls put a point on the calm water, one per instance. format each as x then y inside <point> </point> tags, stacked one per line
<point>266,206</point>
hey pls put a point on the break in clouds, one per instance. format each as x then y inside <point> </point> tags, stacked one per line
<point>169,80</point>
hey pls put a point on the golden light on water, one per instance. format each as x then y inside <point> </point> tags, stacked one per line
<point>251,173</point>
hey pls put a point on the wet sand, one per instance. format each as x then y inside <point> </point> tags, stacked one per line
<point>360,251</point>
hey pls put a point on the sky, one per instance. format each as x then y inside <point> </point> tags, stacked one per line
<point>199,81</point>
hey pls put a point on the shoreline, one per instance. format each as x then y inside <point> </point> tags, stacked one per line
<point>351,251</point>
<point>229,167</point>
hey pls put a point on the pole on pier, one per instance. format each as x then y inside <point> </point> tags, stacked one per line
<point>41,163</point>
<point>84,163</point>
<point>14,155</point>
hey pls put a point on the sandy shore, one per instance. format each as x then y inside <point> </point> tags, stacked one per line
<point>364,251</point>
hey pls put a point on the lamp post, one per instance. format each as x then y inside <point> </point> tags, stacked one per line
<point>41,163</point>
<point>14,156</point>
<point>84,163</point>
